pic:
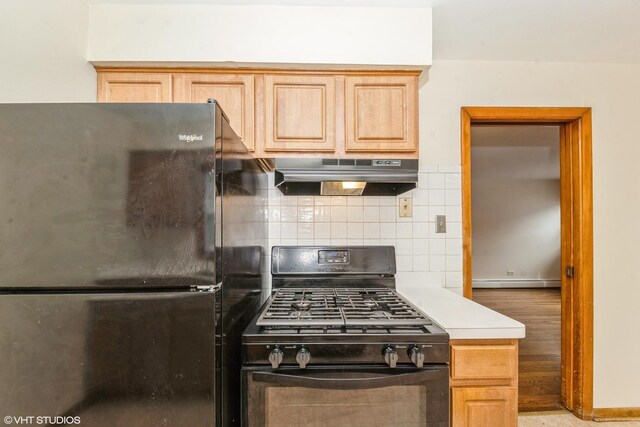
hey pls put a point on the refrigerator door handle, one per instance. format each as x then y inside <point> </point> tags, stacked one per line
<point>209,288</point>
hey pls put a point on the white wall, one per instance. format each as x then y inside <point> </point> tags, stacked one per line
<point>516,228</point>
<point>613,91</point>
<point>515,187</point>
<point>43,51</point>
<point>249,34</point>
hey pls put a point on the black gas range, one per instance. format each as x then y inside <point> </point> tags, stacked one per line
<point>336,340</point>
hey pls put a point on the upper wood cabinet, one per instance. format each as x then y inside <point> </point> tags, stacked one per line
<point>300,113</point>
<point>234,92</point>
<point>134,87</point>
<point>381,113</point>
<point>290,113</point>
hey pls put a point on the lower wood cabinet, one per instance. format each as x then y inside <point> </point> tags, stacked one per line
<point>484,383</point>
<point>484,406</point>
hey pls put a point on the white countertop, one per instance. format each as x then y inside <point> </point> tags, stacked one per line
<point>460,317</point>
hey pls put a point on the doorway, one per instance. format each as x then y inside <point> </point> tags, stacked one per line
<point>576,217</point>
<point>515,183</point>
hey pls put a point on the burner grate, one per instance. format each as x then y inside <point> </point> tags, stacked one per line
<point>340,307</point>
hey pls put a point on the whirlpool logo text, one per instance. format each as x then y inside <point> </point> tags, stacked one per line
<point>189,138</point>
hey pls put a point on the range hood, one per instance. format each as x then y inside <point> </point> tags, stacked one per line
<point>345,177</point>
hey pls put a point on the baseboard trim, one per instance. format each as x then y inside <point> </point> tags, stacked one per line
<point>612,414</point>
<point>516,283</point>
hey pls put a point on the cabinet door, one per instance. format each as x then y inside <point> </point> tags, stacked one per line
<point>381,113</point>
<point>234,92</point>
<point>484,406</point>
<point>300,113</point>
<point>134,87</point>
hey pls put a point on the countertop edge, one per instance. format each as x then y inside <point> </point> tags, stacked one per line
<point>466,319</point>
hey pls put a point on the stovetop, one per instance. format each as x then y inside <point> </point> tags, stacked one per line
<point>332,310</point>
<point>338,305</point>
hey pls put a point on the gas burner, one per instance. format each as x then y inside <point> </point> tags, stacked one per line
<point>297,307</point>
<point>302,305</point>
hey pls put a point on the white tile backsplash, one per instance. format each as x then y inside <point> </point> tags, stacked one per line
<point>371,214</point>
<point>338,200</point>
<point>387,230</point>
<point>289,230</point>
<point>371,230</point>
<point>423,257</point>
<point>305,201</point>
<point>404,247</point>
<point>388,213</point>
<point>322,230</point>
<point>305,213</point>
<point>338,230</point>
<point>436,181</point>
<point>437,247</point>
<point>436,197</point>
<point>355,230</point>
<point>305,230</point>
<point>355,213</point>
<point>404,230</point>
<point>338,214</point>
<point>288,213</point>
<point>322,214</point>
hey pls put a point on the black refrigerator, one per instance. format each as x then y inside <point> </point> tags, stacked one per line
<point>132,246</point>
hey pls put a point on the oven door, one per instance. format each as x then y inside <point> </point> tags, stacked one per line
<point>346,396</point>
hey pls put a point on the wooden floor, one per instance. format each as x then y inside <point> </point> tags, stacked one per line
<point>539,352</point>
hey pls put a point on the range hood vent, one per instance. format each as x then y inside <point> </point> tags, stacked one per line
<point>348,177</point>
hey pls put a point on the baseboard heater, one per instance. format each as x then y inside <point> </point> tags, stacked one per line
<point>523,283</point>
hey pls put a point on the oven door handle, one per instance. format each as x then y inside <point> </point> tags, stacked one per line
<point>342,383</point>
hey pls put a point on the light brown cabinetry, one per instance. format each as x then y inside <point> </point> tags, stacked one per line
<point>484,406</point>
<point>290,113</point>
<point>134,87</point>
<point>300,113</point>
<point>381,113</point>
<point>484,383</point>
<point>234,92</point>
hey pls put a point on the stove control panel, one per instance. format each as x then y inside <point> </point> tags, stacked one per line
<point>305,354</point>
<point>333,257</point>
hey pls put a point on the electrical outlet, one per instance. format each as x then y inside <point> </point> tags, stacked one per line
<point>406,207</point>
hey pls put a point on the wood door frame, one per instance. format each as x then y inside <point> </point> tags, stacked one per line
<point>576,232</point>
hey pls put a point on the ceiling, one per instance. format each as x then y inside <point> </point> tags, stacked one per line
<point>506,30</point>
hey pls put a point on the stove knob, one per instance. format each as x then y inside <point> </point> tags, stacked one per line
<point>417,356</point>
<point>303,357</point>
<point>391,356</point>
<point>275,357</point>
